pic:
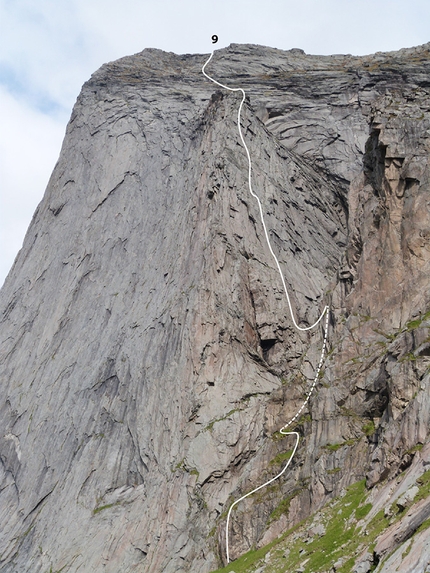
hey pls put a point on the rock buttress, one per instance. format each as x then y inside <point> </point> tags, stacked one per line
<point>147,357</point>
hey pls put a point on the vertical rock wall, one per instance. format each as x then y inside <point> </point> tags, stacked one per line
<point>147,355</point>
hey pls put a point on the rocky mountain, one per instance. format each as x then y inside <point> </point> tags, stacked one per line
<point>148,359</point>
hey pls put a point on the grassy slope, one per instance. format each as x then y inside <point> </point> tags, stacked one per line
<point>344,540</point>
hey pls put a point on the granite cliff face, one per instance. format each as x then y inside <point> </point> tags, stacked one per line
<point>147,355</point>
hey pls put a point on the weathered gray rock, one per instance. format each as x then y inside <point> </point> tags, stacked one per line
<point>409,557</point>
<point>404,529</point>
<point>407,498</point>
<point>147,355</point>
<point>364,564</point>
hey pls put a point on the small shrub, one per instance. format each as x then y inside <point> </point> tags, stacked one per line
<point>369,428</point>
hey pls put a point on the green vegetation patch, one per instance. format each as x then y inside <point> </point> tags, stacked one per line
<point>407,551</point>
<point>103,507</point>
<point>211,424</point>
<point>423,483</point>
<point>413,324</point>
<point>246,562</point>
<point>425,525</point>
<point>323,551</point>
<point>335,447</point>
<point>343,538</point>
<point>362,511</point>
<point>280,458</point>
<point>183,466</point>
<point>377,525</point>
<point>369,428</point>
<point>416,448</point>
<point>304,419</point>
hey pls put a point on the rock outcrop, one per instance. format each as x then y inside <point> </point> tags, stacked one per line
<point>147,355</point>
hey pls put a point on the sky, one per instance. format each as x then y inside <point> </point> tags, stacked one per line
<point>49,48</point>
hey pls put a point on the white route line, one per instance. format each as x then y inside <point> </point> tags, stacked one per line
<point>325,311</point>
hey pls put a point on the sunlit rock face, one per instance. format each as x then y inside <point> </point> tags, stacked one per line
<point>147,354</point>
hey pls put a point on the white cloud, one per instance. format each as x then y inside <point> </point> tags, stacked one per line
<point>42,43</point>
<point>29,146</point>
<point>49,48</point>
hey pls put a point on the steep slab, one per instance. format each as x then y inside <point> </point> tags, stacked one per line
<point>147,356</point>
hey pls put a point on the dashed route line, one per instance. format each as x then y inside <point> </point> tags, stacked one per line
<point>283,430</point>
